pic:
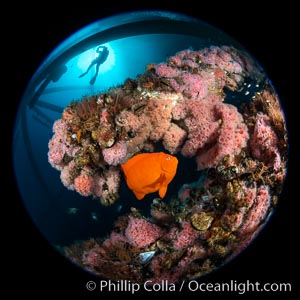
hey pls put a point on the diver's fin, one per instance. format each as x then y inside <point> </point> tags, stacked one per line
<point>92,81</point>
<point>83,74</point>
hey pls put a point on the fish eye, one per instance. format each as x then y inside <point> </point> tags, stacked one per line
<point>168,158</point>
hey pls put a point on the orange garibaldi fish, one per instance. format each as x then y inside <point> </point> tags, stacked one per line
<point>147,173</point>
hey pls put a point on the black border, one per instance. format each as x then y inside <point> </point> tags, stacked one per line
<point>33,31</point>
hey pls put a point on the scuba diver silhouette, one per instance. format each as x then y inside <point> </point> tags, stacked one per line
<point>99,60</point>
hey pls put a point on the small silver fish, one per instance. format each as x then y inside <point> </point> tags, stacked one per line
<point>144,257</point>
<point>72,210</point>
<point>94,216</point>
<point>119,208</point>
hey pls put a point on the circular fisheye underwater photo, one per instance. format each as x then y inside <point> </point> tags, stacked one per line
<point>150,146</point>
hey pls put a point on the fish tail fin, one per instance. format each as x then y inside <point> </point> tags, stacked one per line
<point>139,196</point>
<point>162,191</point>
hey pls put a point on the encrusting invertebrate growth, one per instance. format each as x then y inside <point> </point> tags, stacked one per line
<point>144,132</point>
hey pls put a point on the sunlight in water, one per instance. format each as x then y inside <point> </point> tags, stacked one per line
<point>88,56</point>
